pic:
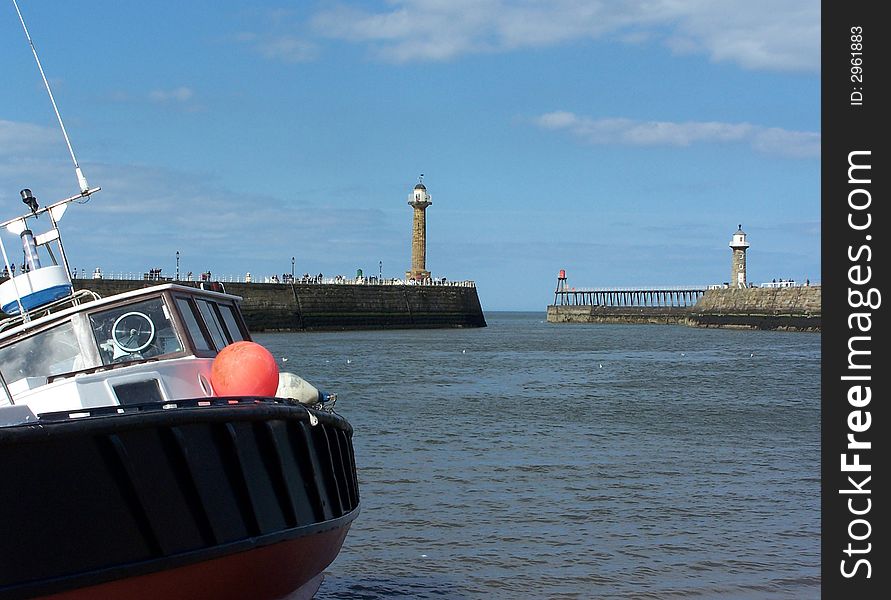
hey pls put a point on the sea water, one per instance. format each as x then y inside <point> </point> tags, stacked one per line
<point>535,460</point>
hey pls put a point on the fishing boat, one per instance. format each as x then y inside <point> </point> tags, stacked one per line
<point>148,447</point>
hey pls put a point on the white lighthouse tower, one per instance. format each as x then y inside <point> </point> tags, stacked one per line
<point>738,246</point>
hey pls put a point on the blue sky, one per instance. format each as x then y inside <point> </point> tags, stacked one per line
<point>621,141</point>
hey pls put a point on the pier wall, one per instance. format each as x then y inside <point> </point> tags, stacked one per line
<point>661,315</point>
<point>788,309</point>
<point>318,307</point>
<point>793,308</point>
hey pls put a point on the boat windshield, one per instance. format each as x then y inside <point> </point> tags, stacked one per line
<point>134,332</point>
<point>45,354</point>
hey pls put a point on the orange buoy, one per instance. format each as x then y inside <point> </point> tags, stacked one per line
<point>244,369</point>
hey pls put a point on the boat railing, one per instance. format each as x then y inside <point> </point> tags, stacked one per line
<point>74,299</point>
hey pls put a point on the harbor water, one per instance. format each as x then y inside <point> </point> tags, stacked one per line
<point>533,460</point>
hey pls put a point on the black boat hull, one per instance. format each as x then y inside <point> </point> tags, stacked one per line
<point>241,498</point>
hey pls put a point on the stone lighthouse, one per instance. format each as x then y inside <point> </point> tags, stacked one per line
<point>738,246</point>
<point>419,200</point>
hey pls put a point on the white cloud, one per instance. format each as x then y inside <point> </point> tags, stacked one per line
<point>180,94</point>
<point>768,140</point>
<point>755,34</point>
<point>21,139</point>
<point>797,144</point>
<point>33,156</point>
<point>283,47</point>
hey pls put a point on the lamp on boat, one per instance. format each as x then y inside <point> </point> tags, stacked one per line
<point>29,199</point>
<point>29,245</point>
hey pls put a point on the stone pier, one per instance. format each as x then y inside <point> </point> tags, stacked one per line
<point>785,309</point>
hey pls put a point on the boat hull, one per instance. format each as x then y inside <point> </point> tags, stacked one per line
<point>229,498</point>
<point>289,570</point>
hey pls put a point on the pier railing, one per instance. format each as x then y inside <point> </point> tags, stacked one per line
<point>663,296</point>
<point>335,280</point>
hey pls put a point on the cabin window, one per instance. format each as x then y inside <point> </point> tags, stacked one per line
<point>187,311</point>
<point>228,313</point>
<point>190,318</point>
<point>45,354</point>
<point>134,332</point>
<point>213,324</point>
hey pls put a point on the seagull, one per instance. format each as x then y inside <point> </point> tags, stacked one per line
<point>464,352</point>
<point>751,355</point>
<point>349,361</point>
<point>600,365</point>
<point>284,359</point>
<point>683,354</point>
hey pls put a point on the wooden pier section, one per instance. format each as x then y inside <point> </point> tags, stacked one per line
<point>675,296</point>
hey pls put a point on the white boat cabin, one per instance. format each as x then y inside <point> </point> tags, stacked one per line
<point>148,345</point>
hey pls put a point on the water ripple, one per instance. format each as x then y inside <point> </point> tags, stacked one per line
<point>521,468</point>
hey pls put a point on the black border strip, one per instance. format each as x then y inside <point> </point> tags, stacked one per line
<point>854,53</point>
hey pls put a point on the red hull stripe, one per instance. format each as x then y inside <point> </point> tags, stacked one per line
<point>285,570</point>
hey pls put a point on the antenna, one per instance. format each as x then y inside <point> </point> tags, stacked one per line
<point>81,180</point>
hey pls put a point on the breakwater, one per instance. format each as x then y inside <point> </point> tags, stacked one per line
<point>327,307</point>
<point>661,315</point>
<point>788,309</point>
<point>791,308</point>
